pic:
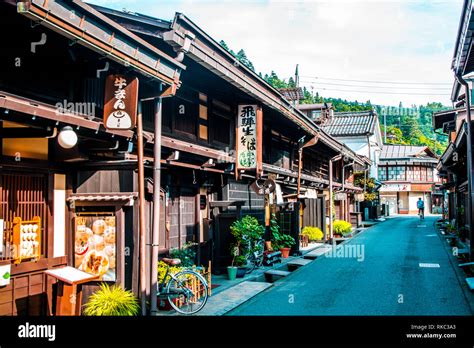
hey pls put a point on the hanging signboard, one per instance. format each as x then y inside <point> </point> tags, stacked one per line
<point>249,138</point>
<point>339,196</point>
<point>263,187</point>
<point>120,104</point>
<point>395,188</point>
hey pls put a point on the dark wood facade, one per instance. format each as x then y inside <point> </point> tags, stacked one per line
<point>200,195</point>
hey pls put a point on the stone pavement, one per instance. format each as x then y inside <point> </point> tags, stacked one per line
<point>233,297</point>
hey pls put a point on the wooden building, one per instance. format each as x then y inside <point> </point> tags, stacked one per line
<point>90,188</point>
<point>215,84</point>
<point>52,93</point>
<point>409,173</point>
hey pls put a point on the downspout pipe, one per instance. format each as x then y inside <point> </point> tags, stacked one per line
<point>470,173</point>
<point>156,206</point>
<point>333,159</point>
<point>346,205</point>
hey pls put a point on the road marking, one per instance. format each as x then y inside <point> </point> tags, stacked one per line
<point>421,226</point>
<point>431,235</point>
<point>429,265</point>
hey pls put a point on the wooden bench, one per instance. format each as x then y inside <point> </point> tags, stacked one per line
<point>274,274</point>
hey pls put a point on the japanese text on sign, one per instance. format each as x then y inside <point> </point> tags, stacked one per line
<point>247,136</point>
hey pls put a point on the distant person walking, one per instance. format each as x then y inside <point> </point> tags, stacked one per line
<point>421,208</point>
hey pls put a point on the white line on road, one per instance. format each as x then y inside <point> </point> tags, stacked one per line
<point>429,265</point>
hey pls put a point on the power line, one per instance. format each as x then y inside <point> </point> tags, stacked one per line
<point>341,84</point>
<point>391,82</point>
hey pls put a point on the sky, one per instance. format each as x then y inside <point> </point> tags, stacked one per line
<point>384,51</point>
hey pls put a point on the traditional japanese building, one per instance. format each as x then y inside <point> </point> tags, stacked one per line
<point>409,173</point>
<point>70,148</point>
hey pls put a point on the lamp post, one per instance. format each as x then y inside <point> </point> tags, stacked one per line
<point>467,81</point>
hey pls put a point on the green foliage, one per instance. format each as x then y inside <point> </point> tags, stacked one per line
<point>280,239</point>
<point>162,270</point>
<point>342,227</point>
<point>240,261</point>
<point>370,193</point>
<point>187,254</point>
<point>247,226</point>
<point>244,229</point>
<point>413,125</point>
<point>313,233</point>
<point>111,301</point>
<point>283,241</point>
<point>240,56</point>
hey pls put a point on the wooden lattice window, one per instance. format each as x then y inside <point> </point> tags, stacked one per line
<point>25,196</point>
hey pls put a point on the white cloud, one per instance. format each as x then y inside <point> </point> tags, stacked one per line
<point>350,39</point>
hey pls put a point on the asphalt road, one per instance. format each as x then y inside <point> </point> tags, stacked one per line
<point>384,278</point>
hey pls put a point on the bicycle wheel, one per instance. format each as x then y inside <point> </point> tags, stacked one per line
<point>187,292</point>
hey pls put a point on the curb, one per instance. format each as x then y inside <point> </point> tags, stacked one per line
<point>460,275</point>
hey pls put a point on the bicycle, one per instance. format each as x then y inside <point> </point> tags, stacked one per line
<point>254,254</point>
<point>186,291</point>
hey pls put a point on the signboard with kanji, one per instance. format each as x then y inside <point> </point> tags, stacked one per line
<point>120,104</point>
<point>248,139</point>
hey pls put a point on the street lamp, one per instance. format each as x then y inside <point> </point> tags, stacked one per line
<point>67,138</point>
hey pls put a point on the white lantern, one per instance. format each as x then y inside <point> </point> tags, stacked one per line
<point>67,138</point>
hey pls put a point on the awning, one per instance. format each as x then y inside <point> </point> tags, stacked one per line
<point>126,198</point>
<point>78,21</point>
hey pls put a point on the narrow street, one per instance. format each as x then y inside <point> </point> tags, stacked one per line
<point>388,279</point>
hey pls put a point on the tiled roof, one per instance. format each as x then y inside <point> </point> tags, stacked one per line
<point>405,151</point>
<point>351,123</point>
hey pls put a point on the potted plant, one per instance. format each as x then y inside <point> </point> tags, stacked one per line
<point>341,227</point>
<point>280,241</point>
<point>112,301</point>
<point>240,262</point>
<point>314,233</point>
<point>244,230</point>
<point>285,242</point>
<point>232,269</point>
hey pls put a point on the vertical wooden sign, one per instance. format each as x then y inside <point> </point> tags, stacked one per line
<point>120,104</point>
<point>249,131</point>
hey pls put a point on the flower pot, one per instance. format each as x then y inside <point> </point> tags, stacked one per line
<point>241,272</point>
<point>285,252</point>
<point>231,272</point>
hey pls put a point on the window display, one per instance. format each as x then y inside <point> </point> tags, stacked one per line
<point>94,245</point>
<point>26,238</point>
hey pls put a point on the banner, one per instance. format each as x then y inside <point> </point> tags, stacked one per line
<point>248,137</point>
<point>120,104</point>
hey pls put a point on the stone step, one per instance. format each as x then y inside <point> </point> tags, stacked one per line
<point>274,274</point>
<point>299,262</point>
<point>312,255</point>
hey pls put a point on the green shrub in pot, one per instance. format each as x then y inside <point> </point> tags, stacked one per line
<point>313,233</point>
<point>112,301</point>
